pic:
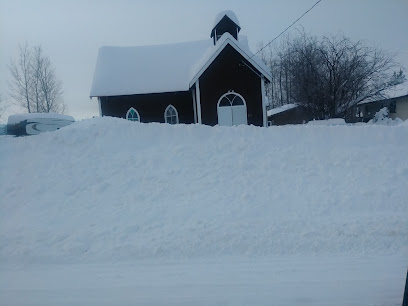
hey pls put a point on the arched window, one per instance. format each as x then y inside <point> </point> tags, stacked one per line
<point>232,109</point>
<point>171,115</point>
<point>132,115</point>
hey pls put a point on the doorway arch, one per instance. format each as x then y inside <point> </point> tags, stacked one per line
<point>231,109</point>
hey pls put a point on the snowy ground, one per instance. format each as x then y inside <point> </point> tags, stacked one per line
<point>222,281</point>
<point>110,212</point>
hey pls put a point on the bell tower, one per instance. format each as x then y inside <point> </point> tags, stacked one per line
<point>226,21</point>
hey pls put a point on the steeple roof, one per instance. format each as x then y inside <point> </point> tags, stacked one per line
<point>230,14</point>
<point>225,14</point>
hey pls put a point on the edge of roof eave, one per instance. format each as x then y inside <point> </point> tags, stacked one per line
<point>383,100</point>
<point>132,93</point>
<point>229,41</point>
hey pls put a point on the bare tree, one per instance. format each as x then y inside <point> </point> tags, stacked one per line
<point>34,84</point>
<point>3,106</point>
<point>50,88</point>
<point>21,73</point>
<point>278,59</point>
<point>36,72</point>
<point>329,75</point>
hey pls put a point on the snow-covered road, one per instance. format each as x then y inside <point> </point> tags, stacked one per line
<point>290,280</point>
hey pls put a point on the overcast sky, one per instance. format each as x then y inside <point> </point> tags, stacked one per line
<point>71,31</point>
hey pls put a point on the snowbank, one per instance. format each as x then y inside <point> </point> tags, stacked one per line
<point>404,123</point>
<point>333,121</point>
<point>110,189</point>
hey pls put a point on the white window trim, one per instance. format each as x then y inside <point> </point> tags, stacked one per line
<point>128,112</point>
<point>165,111</point>
<point>228,93</point>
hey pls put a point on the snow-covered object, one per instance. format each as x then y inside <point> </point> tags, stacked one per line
<point>13,119</point>
<point>381,117</point>
<point>230,14</point>
<point>281,109</point>
<point>110,189</point>
<point>160,68</point>
<point>35,123</point>
<point>332,121</point>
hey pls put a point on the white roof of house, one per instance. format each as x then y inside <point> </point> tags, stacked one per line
<point>281,109</point>
<point>391,97</point>
<point>230,14</point>
<point>161,68</point>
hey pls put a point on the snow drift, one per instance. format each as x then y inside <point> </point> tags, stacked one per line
<point>109,189</point>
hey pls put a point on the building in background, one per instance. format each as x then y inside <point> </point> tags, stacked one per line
<point>365,111</point>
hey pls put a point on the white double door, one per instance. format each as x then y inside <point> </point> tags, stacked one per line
<point>232,110</point>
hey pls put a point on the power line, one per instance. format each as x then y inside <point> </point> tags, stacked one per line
<point>287,28</point>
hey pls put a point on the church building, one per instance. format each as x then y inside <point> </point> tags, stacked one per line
<point>217,81</point>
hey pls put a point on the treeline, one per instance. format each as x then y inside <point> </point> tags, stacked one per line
<point>328,75</point>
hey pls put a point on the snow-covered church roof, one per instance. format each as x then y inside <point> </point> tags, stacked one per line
<point>162,68</point>
<point>146,69</point>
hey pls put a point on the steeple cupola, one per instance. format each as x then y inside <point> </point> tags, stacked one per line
<point>226,21</point>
